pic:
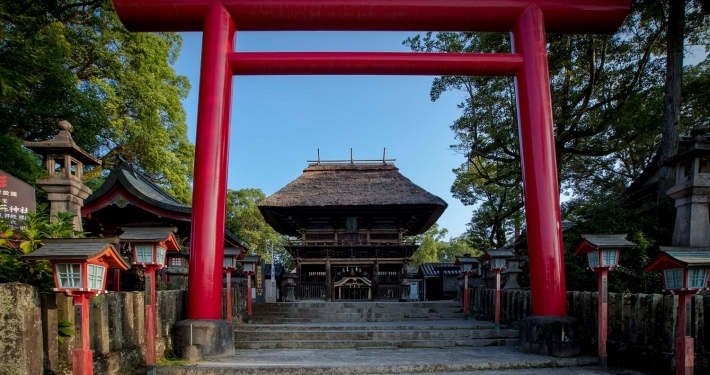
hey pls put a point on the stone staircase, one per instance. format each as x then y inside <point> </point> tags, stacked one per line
<point>359,325</point>
<point>354,312</point>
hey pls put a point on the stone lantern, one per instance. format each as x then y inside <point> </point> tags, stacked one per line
<point>64,162</point>
<point>692,190</point>
<point>290,287</point>
<point>80,267</point>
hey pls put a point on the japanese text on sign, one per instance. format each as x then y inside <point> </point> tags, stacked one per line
<point>16,200</point>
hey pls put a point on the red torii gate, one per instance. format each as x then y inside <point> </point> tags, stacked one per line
<point>526,20</point>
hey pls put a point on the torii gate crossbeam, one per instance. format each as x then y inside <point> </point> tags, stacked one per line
<point>526,20</point>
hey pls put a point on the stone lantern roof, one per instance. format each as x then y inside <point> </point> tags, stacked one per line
<point>63,143</point>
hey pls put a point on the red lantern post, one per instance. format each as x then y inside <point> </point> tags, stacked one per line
<point>149,246</point>
<point>466,262</point>
<point>685,273</point>
<point>602,251</point>
<point>498,262</point>
<point>249,264</point>
<point>80,267</point>
<point>231,256</point>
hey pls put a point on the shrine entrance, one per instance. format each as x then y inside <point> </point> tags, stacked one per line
<point>526,20</point>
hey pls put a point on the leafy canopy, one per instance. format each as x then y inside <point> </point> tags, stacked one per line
<point>74,61</point>
<point>245,220</point>
<point>607,94</point>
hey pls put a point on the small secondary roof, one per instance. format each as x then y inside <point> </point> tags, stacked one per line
<point>437,269</point>
<point>151,234</point>
<point>591,242</point>
<point>680,257</point>
<point>79,249</point>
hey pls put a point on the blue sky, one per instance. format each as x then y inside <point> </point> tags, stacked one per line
<point>278,122</point>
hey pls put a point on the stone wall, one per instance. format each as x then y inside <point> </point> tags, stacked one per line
<point>641,326</point>
<point>28,338</point>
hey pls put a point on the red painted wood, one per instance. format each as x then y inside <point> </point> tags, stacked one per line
<point>562,16</point>
<point>524,18</point>
<point>249,296</point>
<point>374,63</point>
<point>465,294</point>
<point>82,362</point>
<point>684,344</point>
<point>204,293</point>
<point>603,317</point>
<point>229,295</point>
<point>117,191</point>
<point>150,320</point>
<point>537,145</point>
<point>82,357</point>
<point>497,317</point>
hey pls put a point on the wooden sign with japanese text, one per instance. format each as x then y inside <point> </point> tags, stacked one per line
<point>16,200</point>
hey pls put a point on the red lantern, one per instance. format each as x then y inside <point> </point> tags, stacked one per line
<point>79,266</point>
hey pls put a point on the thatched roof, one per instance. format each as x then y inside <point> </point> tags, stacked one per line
<point>348,184</point>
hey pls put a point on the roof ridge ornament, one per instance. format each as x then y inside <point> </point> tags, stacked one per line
<point>352,160</point>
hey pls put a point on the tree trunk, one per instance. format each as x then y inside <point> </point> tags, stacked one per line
<point>671,99</point>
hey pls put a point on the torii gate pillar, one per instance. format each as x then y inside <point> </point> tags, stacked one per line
<point>526,20</point>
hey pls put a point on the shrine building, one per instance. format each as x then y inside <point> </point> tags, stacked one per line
<point>351,226</point>
<point>128,198</point>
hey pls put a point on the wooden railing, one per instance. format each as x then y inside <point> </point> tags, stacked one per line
<point>311,292</point>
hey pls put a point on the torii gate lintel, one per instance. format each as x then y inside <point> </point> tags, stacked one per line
<point>526,20</point>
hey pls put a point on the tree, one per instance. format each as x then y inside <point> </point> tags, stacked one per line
<point>603,211</point>
<point>63,60</point>
<point>429,245</point>
<point>607,102</point>
<point>245,220</point>
<point>696,12</point>
<point>457,246</point>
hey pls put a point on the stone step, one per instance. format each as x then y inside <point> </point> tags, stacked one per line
<point>470,325</point>
<point>357,305</point>
<point>280,320</point>
<point>359,335</point>
<point>348,344</point>
<point>297,309</point>
<point>368,315</point>
<point>380,360</point>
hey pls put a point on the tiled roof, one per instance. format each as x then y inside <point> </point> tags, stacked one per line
<point>155,234</point>
<point>601,241</point>
<point>77,248</point>
<point>140,186</point>
<point>435,269</point>
<point>690,256</point>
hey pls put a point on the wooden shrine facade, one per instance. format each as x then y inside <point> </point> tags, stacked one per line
<point>128,198</point>
<point>351,226</point>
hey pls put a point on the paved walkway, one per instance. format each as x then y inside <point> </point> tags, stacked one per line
<point>462,361</point>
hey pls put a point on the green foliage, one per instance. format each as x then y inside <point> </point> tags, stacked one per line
<point>607,94</point>
<point>14,244</point>
<point>434,248</point>
<point>607,213</point>
<point>245,220</point>
<point>19,161</point>
<point>63,331</point>
<point>64,60</point>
